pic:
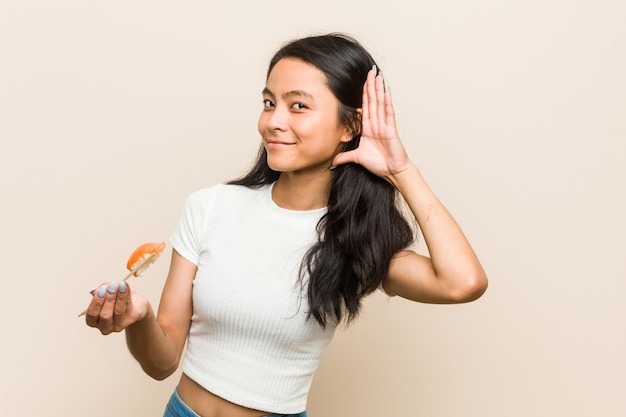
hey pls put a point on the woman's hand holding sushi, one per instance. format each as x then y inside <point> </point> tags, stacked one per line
<point>115,307</point>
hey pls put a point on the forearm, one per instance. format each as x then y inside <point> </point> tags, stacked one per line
<point>453,259</point>
<point>155,351</point>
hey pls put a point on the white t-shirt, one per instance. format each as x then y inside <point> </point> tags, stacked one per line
<point>250,341</point>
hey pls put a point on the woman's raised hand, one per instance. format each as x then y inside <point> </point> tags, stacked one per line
<point>114,307</point>
<point>380,150</point>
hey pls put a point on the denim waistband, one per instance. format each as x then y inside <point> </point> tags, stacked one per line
<point>176,407</point>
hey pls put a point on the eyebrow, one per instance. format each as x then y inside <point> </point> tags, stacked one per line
<point>287,94</point>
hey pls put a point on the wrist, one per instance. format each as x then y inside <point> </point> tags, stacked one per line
<point>145,318</point>
<point>408,175</point>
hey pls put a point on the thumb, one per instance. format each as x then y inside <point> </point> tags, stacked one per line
<point>345,158</point>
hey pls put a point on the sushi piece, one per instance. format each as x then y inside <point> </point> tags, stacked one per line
<point>143,257</point>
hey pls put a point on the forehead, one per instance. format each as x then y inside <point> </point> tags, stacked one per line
<point>291,74</point>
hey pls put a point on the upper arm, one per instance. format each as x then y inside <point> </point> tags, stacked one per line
<point>175,307</point>
<point>413,276</point>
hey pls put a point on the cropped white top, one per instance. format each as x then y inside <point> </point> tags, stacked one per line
<point>250,341</point>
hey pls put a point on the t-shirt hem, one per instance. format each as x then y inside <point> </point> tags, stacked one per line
<point>264,407</point>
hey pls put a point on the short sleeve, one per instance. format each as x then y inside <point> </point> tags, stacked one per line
<point>186,238</point>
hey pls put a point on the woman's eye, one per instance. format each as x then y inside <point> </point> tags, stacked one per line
<point>299,106</point>
<point>268,103</point>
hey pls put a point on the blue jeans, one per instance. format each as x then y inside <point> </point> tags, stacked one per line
<point>177,408</point>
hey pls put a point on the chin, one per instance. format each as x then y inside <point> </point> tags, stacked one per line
<point>281,167</point>
<point>280,164</point>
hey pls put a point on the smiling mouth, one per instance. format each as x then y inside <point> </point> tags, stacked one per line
<point>278,144</point>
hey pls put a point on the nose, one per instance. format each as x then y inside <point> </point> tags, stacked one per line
<point>277,118</point>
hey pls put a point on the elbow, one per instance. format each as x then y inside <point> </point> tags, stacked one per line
<point>472,288</point>
<point>159,374</point>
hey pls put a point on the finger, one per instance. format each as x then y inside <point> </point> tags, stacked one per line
<point>121,306</point>
<point>105,323</point>
<point>365,99</point>
<point>390,113</point>
<point>92,315</point>
<point>371,100</point>
<point>345,158</point>
<point>379,85</point>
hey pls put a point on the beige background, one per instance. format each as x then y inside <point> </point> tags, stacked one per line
<point>111,113</point>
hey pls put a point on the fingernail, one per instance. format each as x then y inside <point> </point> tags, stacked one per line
<point>111,289</point>
<point>375,69</point>
<point>102,291</point>
<point>332,167</point>
<point>122,286</point>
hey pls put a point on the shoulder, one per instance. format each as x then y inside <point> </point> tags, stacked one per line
<point>223,195</point>
<point>218,191</point>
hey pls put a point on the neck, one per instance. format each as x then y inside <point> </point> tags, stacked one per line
<point>302,192</point>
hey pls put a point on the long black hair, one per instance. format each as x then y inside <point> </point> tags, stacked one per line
<point>363,227</point>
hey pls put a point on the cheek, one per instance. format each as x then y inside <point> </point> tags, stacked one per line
<point>261,123</point>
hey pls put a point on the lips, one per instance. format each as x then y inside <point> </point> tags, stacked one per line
<point>278,144</point>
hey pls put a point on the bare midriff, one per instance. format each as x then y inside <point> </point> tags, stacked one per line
<point>207,404</point>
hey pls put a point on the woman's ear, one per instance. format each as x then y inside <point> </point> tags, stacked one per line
<point>353,127</point>
<point>347,135</point>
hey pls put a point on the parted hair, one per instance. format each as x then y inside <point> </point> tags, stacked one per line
<point>363,226</point>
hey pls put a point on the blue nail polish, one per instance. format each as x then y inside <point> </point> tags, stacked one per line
<point>112,287</point>
<point>375,69</point>
<point>122,286</point>
<point>102,291</point>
